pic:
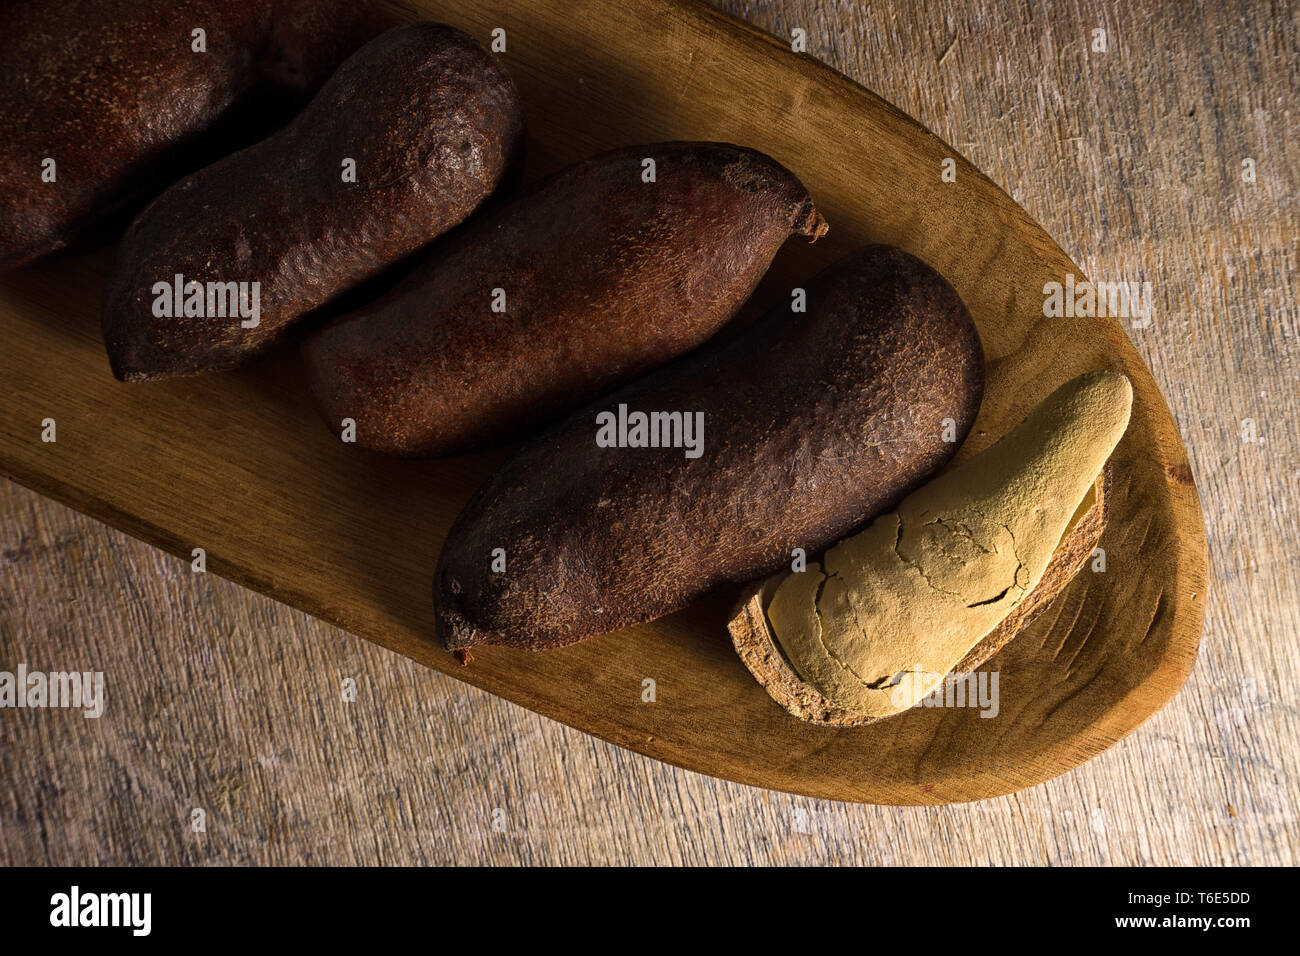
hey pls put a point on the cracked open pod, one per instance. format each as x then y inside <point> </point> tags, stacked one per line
<point>942,582</point>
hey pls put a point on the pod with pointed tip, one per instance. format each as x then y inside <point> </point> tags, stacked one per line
<point>811,424</point>
<point>609,268</point>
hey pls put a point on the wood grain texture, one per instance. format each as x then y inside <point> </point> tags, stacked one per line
<point>1206,781</point>
<point>239,465</point>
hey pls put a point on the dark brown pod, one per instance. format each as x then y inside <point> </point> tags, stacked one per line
<point>591,279</point>
<point>116,95</point>
<point>432,122</point>
<point>813,424</point>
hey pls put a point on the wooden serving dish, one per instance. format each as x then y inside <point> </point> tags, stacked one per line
<point>239,464</point>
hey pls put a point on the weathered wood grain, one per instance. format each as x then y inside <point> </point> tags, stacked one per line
<point>1165,794</point>
<point>239,464</point>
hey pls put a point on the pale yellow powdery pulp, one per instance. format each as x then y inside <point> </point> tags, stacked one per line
<point>903,601</point>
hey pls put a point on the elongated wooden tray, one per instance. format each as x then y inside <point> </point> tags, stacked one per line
<point>239,464</point>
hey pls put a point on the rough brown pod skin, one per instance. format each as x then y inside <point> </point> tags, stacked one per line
<point>433,122</point>
<point>814,424</point>
<point>112,91</point>
<point>605,276</point>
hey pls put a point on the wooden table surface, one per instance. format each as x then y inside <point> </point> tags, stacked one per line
<point>226,701</point>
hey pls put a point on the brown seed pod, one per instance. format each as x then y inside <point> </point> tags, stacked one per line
<point>812,424</point>
<point>115,94</point>
<point>430,122</point>
<point>591,279</point>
